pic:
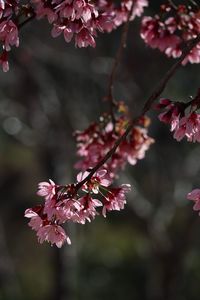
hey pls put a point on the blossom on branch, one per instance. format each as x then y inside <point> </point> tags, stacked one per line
<point>80,20</point>
<point>8,31</point>
<point>195,196</point>
<point>183,118</point>
<point>64,204</point>
<point>115,198</point>
<point>100,178</point>
<point>94,142</point>
<point>54,234</point>
<point>171,28</point>
<point>83,19</point>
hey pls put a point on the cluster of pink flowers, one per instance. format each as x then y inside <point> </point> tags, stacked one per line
<point>119,14</point>
<point>64,204</point>
<point>73,18</point>
<point>183,118</point>
<point>94,142</point>
<point>171,29</point>
<point>82,19</point>
<point>195,196</point>
<point>78,19</point>
<point>8,30</point>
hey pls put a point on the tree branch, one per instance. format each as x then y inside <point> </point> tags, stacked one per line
<point>163,82</point>
<point>173,5</point>
<point>116,62</point>
<point>147,105</point>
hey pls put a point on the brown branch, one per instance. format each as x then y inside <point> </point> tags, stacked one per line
<point>116,62</point>
<point>163,82</point>
<point>147,105</point>
<point>194,3</point>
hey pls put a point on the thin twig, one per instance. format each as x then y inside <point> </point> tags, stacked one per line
<point>173,5</point>
<point>147,105</point>
<point>194,3</point>
<point>116,62</point>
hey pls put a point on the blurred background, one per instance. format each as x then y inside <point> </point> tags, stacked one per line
<point>149,251</point>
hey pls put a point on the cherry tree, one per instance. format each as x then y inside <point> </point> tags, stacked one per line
<point>117,138</point>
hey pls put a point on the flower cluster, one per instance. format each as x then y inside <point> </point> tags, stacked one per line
<point>171,28</point>
<point>63,204</point>
<point>82,19</point>
<point>119,14</point>
<point>183,118</point>
<point>74,18</point>
<point>78,19</point>
<point>195,196</point>
<point>8,30</point>
<point>94,142</point>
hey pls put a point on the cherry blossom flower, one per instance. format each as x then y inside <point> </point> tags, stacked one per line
<point>63,204</point>
<point>195,196</point>
<point>156,36</point>
<point>88,209</point>
<point>53,234</point>
<point>9,35</point>
<point>83,19</point>
<point>67,209</point>
<point>46,230</point>
<point>183,118</point>
<point>36,221</point>
<point>100,137</point>
<point>73,18</point>
<point>78,20</point>
<point>46,189</point>
<point>171,113</point>
<point>98,179</point>
<point>138,7</point>
<point>188,126</point>
<point>169,33</point>
<point>115,199</point>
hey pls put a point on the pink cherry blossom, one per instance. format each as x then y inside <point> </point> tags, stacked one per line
<point>49,206</point>
<point>35,222</point>
<point>67,209</point>
<point>119,14</point>
<point>138,7</point>
<point>115,199</point>
<point>9,34</point>
<point>53,234</point>
<point>194,56</point>
<point>63,204</point>
<point>84,38</point>
<point>46,189</point>
<point>195,196</point>
<point>171,114</point>
<point>183,124</point>
<point>2,7</point>
<point>88,209</point>
<point>169,33</point>
<point>83,19</point>
<point>100,178</point>
<point>98,139</point>
<point>188,126</point>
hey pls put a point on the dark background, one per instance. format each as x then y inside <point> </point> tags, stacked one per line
<point>151,250</point>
